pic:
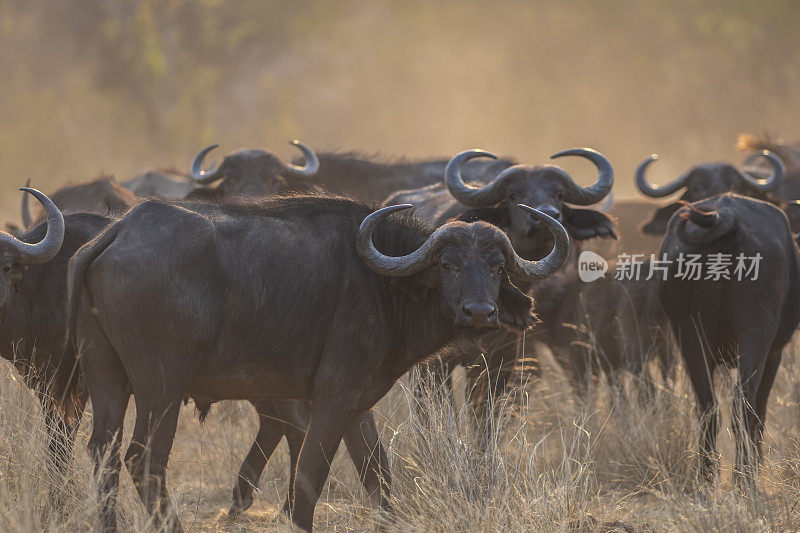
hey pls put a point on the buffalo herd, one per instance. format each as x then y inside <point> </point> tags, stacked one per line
<point>308,288</point>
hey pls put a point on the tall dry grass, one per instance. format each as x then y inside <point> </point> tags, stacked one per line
<point>545,462</point>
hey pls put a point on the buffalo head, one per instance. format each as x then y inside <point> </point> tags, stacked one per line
<point>704,181</point>
<point>253,172</point>
<point>15,254</point>
<point>470,264</point>
<point>547,188</point>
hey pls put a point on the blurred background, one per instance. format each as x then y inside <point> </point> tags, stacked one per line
<point>120,86</point>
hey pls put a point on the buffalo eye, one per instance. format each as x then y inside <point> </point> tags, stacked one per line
<point>447,268</point>
<point>512,197</point>
<point>560,195</point>
<point>497,270</point>
<point>6,269</point>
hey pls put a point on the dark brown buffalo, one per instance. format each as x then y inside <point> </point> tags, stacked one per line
<point>550,189</point>
<point>253,172</point>
<point>284,298</point>
<point>742,323</point>
<point>102,195</point>
<point>546,187</point>
<point>32,309</point>
<point>704,181</point>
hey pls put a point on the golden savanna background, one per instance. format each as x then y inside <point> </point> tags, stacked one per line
<point>122,86</point>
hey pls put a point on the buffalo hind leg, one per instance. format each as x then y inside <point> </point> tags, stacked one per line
<point>752,361</point>
<point>764,389</point>
<point>147,456</point>
<point>701,373</point>
<point>107,384</point>
<point>270,433</point>
<point>369,457</point>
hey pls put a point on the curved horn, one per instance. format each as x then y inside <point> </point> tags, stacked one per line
<point>48,247</point>
<point>425,255</point>
<point>651,190</point>
<point>402,266</point>
<point>487,195</point>
<point>575,194</point>
<point>199,175</point>
<point>27,219</point>
<point>774,179</point>
<point>312,162</point>
<point>555,260</point>
<point>717,223</point>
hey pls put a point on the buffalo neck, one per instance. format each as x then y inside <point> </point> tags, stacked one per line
<point>420,327</point>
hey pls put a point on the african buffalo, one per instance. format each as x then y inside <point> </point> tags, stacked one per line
<point>743,320</point>
<point>160,184</point>
<point>370,180</point>
<point>253,172</point>
<point>703,181</point>
<point>546,187</point>
<point>33,304</point>
<point>102,195</point>
<point>282,298</point>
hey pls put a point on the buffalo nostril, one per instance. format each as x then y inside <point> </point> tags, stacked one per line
<point>479,311</point>
<point>548,210</point>
<point>551,212</point>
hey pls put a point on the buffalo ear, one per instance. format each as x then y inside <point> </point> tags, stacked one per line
<point>658,224</point>
<point>585,224</point>
<point>515,307</point>
<point>497,215</point>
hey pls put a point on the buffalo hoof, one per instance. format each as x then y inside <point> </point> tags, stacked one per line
<point>238,507</point>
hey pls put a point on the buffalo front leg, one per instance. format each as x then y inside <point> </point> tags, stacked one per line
<point>370,459</point>
<point>60,444</point>
<point>325,431</point>
<point>297,414</point>
<point>270,433</point>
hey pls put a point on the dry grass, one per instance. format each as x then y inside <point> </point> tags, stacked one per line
<point>544,463</point>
